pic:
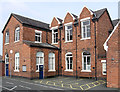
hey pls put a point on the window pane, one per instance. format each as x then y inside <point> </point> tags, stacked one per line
<point>37,60</point>
<point>70,34</point>
<point>35,38</point>
<point>88,60</point>
<point>70,66</point>
<point>86,23</point>
<point>70,60</point>
<point>56,37</point>
<point>67,66</point>
<point>84,63</point>
<point>88,31</point>
<point>69,27</point>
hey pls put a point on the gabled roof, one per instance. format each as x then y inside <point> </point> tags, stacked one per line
<point>75,16</point>
<point>115,22</point>
<point>99,12</point>
<point>105,44</point>
<point>59,20</point>
<point>29,22</point>
<point>43,45</point>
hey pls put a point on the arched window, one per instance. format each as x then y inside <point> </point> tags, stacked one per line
<point>17,61</point>
<point>39,60</point>
<point>6,58</point>
<point>51,62</point>
<point>86,62</point>
<point>7,37</point>
<point>17,34</point>
<point>69,61</point>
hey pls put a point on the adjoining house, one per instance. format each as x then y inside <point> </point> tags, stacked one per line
<point>112,47</point>
<point>1,66</point>
<point>69,47</point>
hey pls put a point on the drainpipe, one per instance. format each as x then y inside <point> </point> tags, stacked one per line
<point>75,25</point>
<point>60,52</point>
<point>94,19</point>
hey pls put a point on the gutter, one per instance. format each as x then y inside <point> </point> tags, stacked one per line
<point>94,19</point>
<point>60,51</point>
<point>75,25</point>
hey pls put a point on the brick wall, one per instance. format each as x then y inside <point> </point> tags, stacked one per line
<point>113,75</point>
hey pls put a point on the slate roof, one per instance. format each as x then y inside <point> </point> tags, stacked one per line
<point>75,16</point>
<point>60,20</point>
<point>32,22</point>
<point>44,45</point>
<point>99,12</point>
<point>29,22</point>
<point>115,22</point>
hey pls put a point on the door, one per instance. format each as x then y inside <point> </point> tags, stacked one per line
<point>7,70</point>
<point>40,71</point>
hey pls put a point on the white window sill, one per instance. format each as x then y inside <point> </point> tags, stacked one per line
<point>54,43</point>
<point>104,74</point>
<point>68,41</point>
<point>37,42</point>
<point>68,70</point>
<point>85,38</point>
<point>85,70</point>
<point>16,70</point>
<point>51,70</point>
<point>16,41</point>
<point>37,71</point>
<point>6,62</point>
<point>6,43</point>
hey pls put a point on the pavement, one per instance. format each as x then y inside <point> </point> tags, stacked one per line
<point>55,83</point>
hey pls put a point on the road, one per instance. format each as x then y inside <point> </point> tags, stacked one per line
<point>11,84</point>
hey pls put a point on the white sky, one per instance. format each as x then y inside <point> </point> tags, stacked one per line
<point>45,10</point>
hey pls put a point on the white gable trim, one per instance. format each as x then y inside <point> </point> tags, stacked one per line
<point>105,44</point>
<point>53,28</point>
<point>71,15</point>
<point>88,10</point>
<point>58,21</point>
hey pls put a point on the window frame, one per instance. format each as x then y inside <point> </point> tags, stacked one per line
<point>69,61</point>
<point>25,68</point>
<point>17,62</point>
<point>39,57</point>
<point>53,62</point>
<point>6,58</point>
<point>66,25</point>
<point>40,35</point>
<point>104,62</point>
<point>86,32</point>
<point>86,56</point>
<point>17,34</point>
<point>7,37</point>
<point>53,36</point>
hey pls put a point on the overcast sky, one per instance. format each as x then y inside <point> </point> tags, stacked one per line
<point>45,11</point>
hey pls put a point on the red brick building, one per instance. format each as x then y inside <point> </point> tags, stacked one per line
<point>78,42</point>
<point>112,46</point>
<point>70,47</point>
<point>26,48</point>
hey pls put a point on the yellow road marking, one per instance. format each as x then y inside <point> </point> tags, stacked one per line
<point>81,88</point>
